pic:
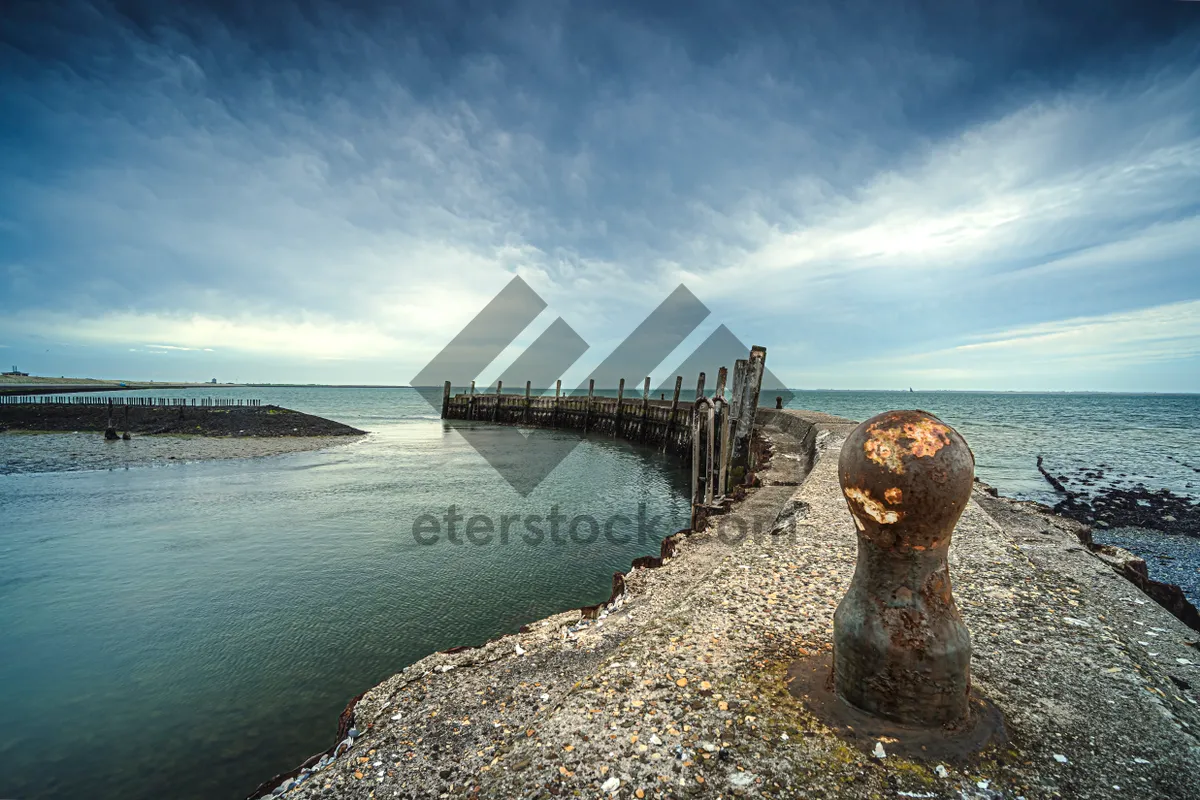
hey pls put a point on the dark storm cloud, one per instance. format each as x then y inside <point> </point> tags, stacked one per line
<point>331,159</point>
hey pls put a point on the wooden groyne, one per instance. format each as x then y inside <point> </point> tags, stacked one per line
<point>712,433</point>
<point>657,422</point>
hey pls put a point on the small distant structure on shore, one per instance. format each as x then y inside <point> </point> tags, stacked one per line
<point>15,373</point>
<point>214,380</point>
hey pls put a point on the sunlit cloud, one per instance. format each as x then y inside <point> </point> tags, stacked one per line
<point>1038,356</point>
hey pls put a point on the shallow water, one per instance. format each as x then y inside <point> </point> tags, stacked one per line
<point>1169,558</point>
<point>1134,434</point>
<point>189,630</point>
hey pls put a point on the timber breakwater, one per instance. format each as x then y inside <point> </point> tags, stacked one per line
<point>713,434</point>
<point>690,680</point>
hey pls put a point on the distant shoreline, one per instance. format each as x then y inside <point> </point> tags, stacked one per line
<point>43,385</point>
<point>74,385</point>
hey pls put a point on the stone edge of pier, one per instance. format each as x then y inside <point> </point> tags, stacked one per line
<point>676,687</point>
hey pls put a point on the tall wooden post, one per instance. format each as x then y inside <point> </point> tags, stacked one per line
<point>739,378</point>
<point>557,395</point>
<point>587,414</point>
<point>724,422</point>
<point>697,445</point>
<point>471,402</point>
<point>645,409</point>
<point>617,416</point>
<point>708,456</point>
<point>496,410</point>
<point>696,459</point>
<point>674,407</point>
<point>525,412</point>
<point>740,464</point>
<point>445,399</point>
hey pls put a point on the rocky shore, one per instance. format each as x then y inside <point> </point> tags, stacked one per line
<point>1107,498</point>
<point>193,420</point>
<point>679,686</point>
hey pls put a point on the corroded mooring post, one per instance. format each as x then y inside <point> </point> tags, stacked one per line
<point>900,648</point>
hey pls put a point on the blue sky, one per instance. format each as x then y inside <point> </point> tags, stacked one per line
<point>991,195</point>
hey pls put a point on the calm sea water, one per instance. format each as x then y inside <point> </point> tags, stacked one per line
<point>189,630</point>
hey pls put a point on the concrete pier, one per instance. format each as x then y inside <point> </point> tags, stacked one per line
<point>679,686</point>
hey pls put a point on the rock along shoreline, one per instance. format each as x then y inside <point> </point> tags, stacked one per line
<point>678,686</point>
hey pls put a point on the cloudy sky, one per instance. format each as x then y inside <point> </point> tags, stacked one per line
<point>991,195</point>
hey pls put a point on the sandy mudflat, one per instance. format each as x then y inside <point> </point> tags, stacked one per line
<point>63,452</point>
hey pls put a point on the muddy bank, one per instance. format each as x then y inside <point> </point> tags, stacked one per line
<point>678,686</point>
<point>74,452</point>
<point>194,420</point>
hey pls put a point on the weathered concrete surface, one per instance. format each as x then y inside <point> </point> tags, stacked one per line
<point>679,691</point>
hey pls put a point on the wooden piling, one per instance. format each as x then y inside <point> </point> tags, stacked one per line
<point>645,409</point>
<point>445,399</point>
<point>696,461</point>
<point>740,463</point>
<point>525,411</point>
<point>708,467</point>
<point>726,425</point>
<point>671,413</point>
<point>620,396</point>
<point>739,378</point>
<point>587,414</point>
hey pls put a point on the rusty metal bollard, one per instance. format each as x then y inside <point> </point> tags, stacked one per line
<point>900,648</point>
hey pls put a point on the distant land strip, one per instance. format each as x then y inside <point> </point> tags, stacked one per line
<point>191,420</point>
